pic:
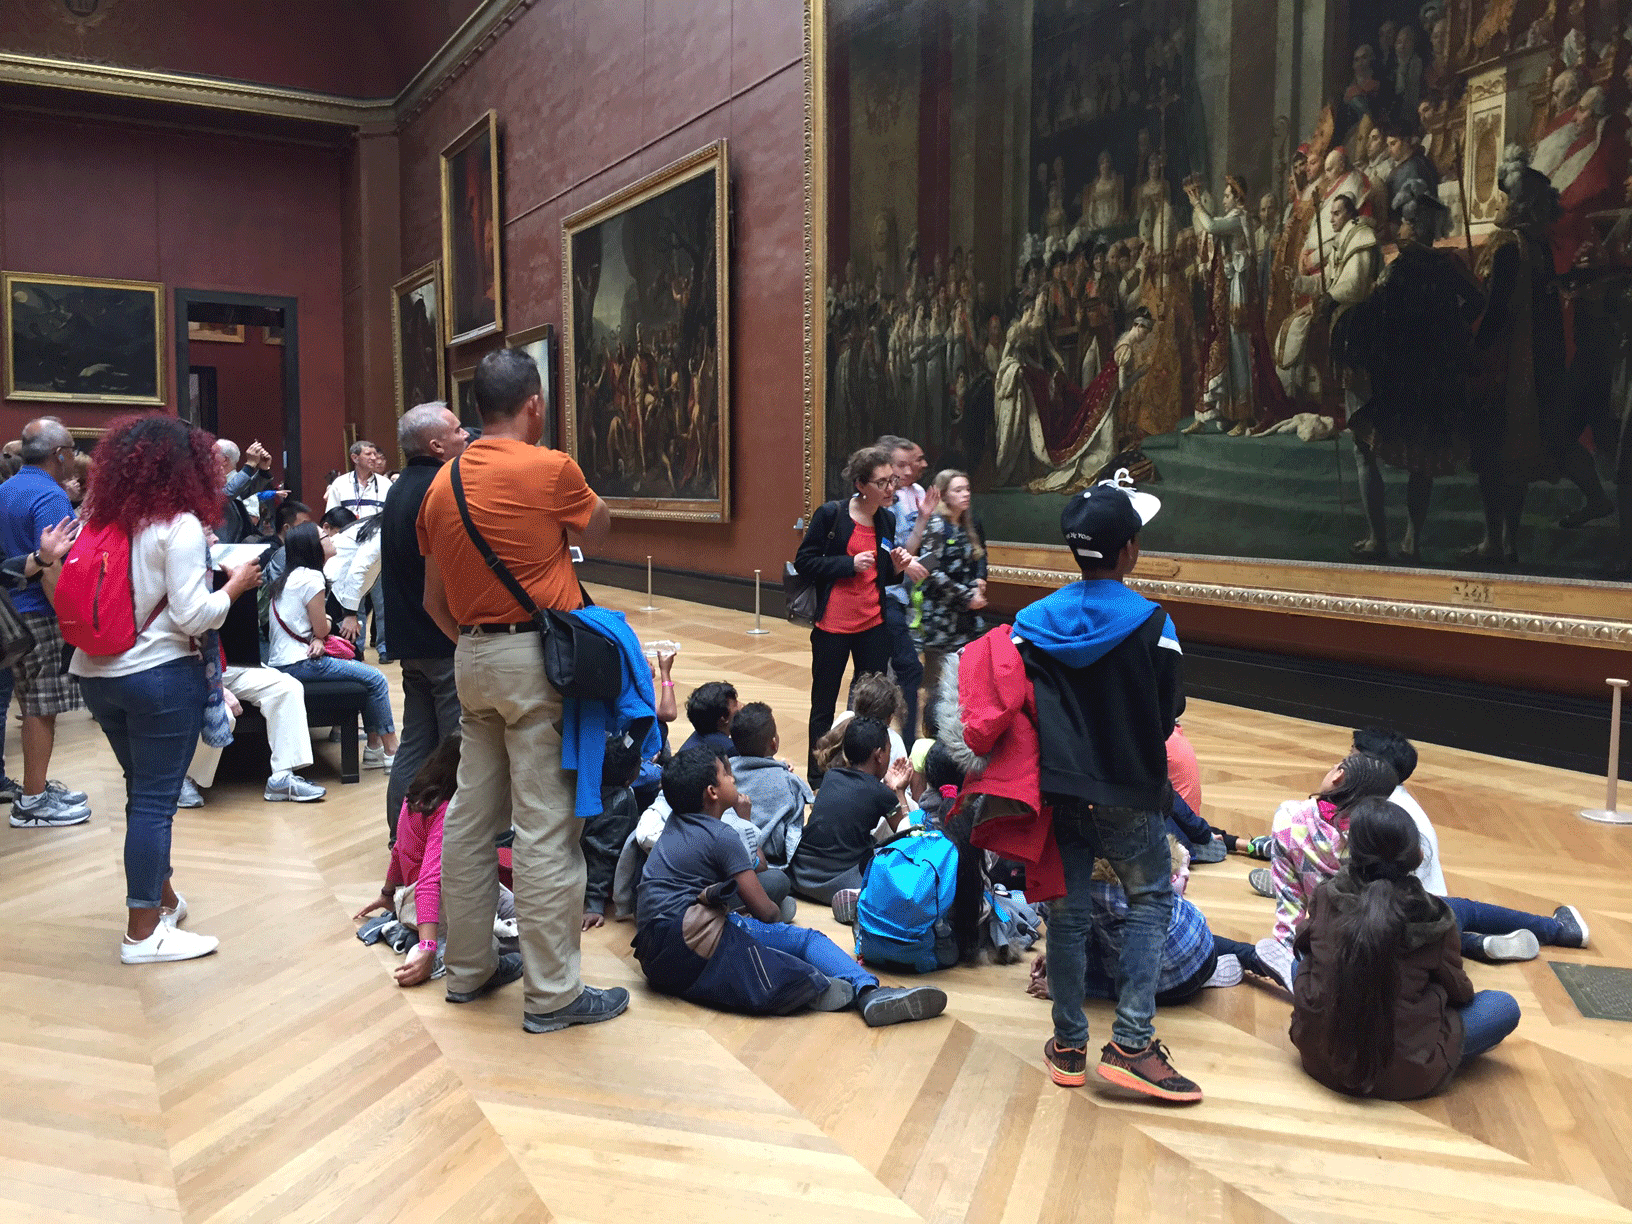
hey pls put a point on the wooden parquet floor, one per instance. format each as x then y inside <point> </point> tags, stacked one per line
<point>288,1079</point>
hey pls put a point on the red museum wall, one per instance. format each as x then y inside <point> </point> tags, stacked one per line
<point>191,210</point>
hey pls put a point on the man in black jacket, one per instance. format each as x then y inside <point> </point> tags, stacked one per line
<point>429,436</point>
<point>1105,668</point>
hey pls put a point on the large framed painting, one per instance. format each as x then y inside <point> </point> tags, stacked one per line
<point>539,344</point>
<point>472,250</point>
<point>1054,240</point>
<point>74,340</point>
<point>645,279</point>
<point>416,329</point>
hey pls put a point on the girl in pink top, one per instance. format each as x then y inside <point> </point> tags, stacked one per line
<point>413,882</point>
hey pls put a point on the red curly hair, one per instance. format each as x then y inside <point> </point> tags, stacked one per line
<point>148,468</point>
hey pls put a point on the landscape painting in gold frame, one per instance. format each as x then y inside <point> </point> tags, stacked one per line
<point>1055,99</point>
<point>73,339</point>
<point>472,232</point>
<point>645,350</point>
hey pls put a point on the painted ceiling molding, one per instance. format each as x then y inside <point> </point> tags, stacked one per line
<point>479,31</point>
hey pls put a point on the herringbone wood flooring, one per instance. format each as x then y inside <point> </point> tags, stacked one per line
<point>288,1079</point>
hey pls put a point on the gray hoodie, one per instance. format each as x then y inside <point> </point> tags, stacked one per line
<point>780,797</point>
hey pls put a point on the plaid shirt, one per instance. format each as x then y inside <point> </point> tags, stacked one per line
<point>1188,945</point>
<point>1307,843</point>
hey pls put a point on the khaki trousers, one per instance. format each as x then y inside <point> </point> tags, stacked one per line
<point>510,773</point>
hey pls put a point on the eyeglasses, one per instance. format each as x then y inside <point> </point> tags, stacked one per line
<point>883,482</point>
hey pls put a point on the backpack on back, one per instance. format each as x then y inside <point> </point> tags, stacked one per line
<point>95,600</point>
<point>904,913</point>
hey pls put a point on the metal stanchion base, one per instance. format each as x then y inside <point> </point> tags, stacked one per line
<point>757,632</point>
<point>1604,816</point>
<point>649,608</point>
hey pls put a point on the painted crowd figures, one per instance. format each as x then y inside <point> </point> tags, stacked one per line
<point>1404,340</point>
<point>646,357</point>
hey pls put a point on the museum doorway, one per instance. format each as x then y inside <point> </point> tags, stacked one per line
<point>238,372</point>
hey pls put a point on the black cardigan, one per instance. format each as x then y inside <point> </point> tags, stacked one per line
<point>824,553</point>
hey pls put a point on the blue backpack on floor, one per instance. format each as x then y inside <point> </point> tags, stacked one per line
<point>904,914</point>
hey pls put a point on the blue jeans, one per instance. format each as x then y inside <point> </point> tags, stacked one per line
<point>1488,1017</point>
<point>812,947</point>
<point>1478,920</point>
<point>152,720</point>
<point>376,604</point>
<point>1135,843</point>
<point>377,713</point>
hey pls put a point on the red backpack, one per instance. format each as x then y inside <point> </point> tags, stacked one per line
<point>95,599</point>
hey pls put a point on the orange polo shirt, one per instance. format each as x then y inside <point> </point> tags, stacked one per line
<point>523,499</point>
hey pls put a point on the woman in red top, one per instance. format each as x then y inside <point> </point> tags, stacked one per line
<point>851,553</point>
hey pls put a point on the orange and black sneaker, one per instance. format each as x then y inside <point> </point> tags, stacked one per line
<point>1067,1067</point>
<point>1148,1071</point>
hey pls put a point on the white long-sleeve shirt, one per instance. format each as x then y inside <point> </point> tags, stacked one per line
<point>166,559</point>
<point>353,568</point>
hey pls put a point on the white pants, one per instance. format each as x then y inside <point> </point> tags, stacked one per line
<point>282,702</point>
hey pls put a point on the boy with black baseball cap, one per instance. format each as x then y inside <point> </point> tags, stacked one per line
<point>1105,666</point>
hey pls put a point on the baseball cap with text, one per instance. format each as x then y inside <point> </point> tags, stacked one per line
<point>1100,520</point>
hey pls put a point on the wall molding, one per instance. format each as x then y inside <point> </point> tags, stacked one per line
<point>455,57</point>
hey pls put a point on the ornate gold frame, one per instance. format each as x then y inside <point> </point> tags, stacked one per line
<point>8,279</point>
<point>430,274</point>
<point>1496,605</point>
<point>487,125</point>
<point>713,158</point>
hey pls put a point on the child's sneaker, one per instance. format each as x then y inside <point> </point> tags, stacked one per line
<point>1275,961</point>
<point>1148,1071</point>
<point>1257,847</point>
<point>1226,973</point>
<point>1067,1067</point>
<point>1261,882</point>
<point>1574,932</point>
<point>844,905</point>
<point>189,796</point>
<point>1516,946</point>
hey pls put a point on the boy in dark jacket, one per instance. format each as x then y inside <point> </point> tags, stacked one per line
<point>1104,663</point>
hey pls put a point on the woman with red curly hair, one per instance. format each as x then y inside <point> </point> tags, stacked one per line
<point>156,478</point>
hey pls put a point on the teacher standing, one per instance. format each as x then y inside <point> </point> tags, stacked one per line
<point>850,553</point>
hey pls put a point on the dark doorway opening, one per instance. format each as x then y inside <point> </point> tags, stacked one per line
<point>241,355</point>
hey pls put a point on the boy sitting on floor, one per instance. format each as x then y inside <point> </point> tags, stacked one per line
<point>687,945</point>
<point>853,799</point>
<point>779,795</point>
<point>709,710</point>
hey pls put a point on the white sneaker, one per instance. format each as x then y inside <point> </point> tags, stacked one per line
<point>292,788</point>
<point>175,916</point>
<point>167,943</point>
<point>376,758</point>
<point>189,796</point>
<point>46,810</point>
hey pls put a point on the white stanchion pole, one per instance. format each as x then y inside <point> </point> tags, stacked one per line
<point>650,607</point>
<point>1609,813</point>
<point>758,628</point>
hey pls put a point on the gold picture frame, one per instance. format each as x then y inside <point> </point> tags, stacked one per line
<point>472,245</point>
<point>680,217</point>
<point>540,344</point>
<point>214,333</point>
<point>1493,604</point>
<point>461,395</point>
<point>128,372</point>
<point>416,322</point>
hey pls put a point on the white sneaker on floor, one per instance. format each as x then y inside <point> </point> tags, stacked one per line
<point>189,797</point>
<point>167,943</point>
<point>376,758</point>
<point>292,788</point>
<point>1517,946</point>
<point>46,810</point>
<point>175,916</point>
<point>1277,958</point>
<point>1227,973</point>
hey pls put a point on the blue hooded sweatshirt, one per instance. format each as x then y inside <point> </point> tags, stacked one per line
<point>584,724</point>
<point>1082,623</point>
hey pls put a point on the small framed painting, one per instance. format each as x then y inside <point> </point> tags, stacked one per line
<point>462,396</point>
<point>416,329</point>
<point>471,250</point>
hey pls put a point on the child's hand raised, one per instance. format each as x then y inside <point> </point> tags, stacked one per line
<point>898,774</point>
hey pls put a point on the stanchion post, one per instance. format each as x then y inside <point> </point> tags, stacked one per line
<point>1609,813</point>
<point>650,607</point>
<point>758,629</point>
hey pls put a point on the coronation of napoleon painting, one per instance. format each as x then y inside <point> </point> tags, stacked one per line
<point>1339,282</point>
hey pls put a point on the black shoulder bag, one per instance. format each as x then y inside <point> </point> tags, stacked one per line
<point>800,593</point>
<point>579,662</point>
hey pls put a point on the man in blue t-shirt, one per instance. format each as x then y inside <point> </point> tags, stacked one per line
<point>31,501</point>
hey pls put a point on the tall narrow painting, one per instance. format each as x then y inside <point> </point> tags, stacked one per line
<point>416,327</point>
<point>539,343</point>
<point>472,253</point>
<point>645,360</point>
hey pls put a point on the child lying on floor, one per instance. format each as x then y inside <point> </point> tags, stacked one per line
<point>693,943</point>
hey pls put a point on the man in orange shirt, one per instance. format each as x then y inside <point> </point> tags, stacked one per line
<point>529,504</point>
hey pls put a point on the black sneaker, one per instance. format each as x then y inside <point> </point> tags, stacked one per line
<point>590,1007</point>
<point>1574,932</point>
<point>1148,1071</point>
<point>895,1004</point>
<point>508,971</point>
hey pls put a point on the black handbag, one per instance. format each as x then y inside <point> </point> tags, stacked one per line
<point>802,596</point>
<point>579,662</point>
<point>16,638</point>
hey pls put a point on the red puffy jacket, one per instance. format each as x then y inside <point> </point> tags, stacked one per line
<point>1000,725</point>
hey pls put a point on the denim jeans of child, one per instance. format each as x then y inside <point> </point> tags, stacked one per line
<point>1478,920</point>
<point>812,947</point>
<point>1135,843</point>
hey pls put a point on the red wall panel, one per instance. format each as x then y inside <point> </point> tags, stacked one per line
<point>249,389</point>
<point>194,211</point>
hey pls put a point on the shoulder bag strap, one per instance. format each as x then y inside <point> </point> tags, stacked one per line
<point>498,567</point>
<point>273,604</point>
